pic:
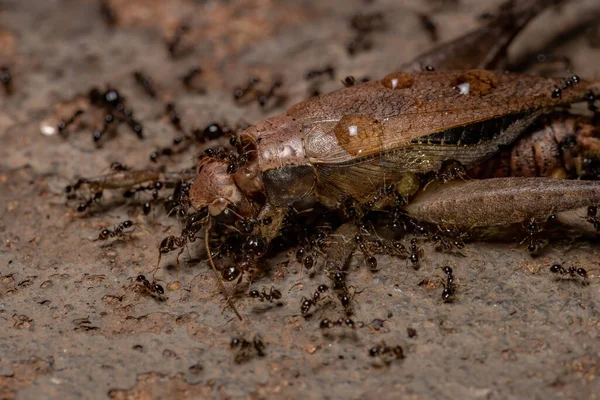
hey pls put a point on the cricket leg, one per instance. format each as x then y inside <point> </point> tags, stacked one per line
<point>501,201</point>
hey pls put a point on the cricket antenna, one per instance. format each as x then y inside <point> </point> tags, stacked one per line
<point>217,275</point>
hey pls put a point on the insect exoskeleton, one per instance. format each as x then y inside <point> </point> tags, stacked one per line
<point>351,143</point>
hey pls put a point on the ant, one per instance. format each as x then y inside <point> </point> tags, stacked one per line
<point>449,286</point>
<point>415,253</point>
<point>449,238</point>
<point>62,125</point>
<point>328,324</point>
<point>118,231</point>
<point>450,170</point>
<point>174,118</point>
<point>572,81</point>
<point>572,271</point>
<point>339,286</point>
<point>188,78</point>
<point>174,43</point>
<point>264,98</point>
<point>351,81</point>
<point>273,294</point>
<point>391,248</point>
<point>591,217</point>
<point>534,244</point>
<point>364,248</point>
<point>212,131</point>
<point>240,93</point>
<point>154,188</point>
<point>84,206</point>
<point>396,352</point>
<point>152,287</point>
<point>188,234</point>
<point>114,104</point>
<point>146,83</point>
<point>307,304</point>
<point>6,80</point>
<point>245,348</point>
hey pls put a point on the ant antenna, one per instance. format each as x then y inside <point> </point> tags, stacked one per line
<point>219,278</point>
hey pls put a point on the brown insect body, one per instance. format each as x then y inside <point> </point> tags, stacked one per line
<point>349,143</point>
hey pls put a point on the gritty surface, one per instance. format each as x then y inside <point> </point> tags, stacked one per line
<point>73,325</point>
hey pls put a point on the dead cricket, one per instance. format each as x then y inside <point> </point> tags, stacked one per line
<point>457,149</point>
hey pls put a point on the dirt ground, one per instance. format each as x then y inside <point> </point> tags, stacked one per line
<point>72,324</point>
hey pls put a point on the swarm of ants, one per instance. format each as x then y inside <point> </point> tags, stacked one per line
<point>235,249</point>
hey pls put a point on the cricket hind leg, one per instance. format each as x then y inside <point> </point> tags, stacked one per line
<point>501,201</point>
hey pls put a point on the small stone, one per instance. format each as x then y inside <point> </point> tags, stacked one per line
<point>310,348</point>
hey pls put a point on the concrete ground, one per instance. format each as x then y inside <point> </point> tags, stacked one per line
<point>73,322</point>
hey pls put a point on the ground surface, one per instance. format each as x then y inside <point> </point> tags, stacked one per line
<point>71,325</point>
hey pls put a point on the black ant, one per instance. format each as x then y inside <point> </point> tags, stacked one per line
<point>351,81</point>
<point>118,231</point>
<point>415,253</point>
<point>591,217</point>
<point>264,98</point>
<point>62,125</point>
<point>572,81</point>
<point>154,188</point>
<point>245,347</point>
<point>212,131</point>
<point>146,83</point>
<point>339,286</point>
<point>307,304</point>
<point>328,324</point>
<point>571,271</point>
<point>6,80</point>
<point>188,234</point>
<point>364,248</point>
<point>188,78</point>
<point>84,206</point>
<point>174,43</point>
<point>173,117</point>
<point>112,101</point>
<point>391,248</point>
<point>450,170</point>
<point>534,244</point>
<point>307,255</point>
<point>388,353</point>
<point>273,294</point>
<point>449,286</point>
<point>179,202</point>
<point>240,93</point>
<point>449,238</point>
<point>152,287</point>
